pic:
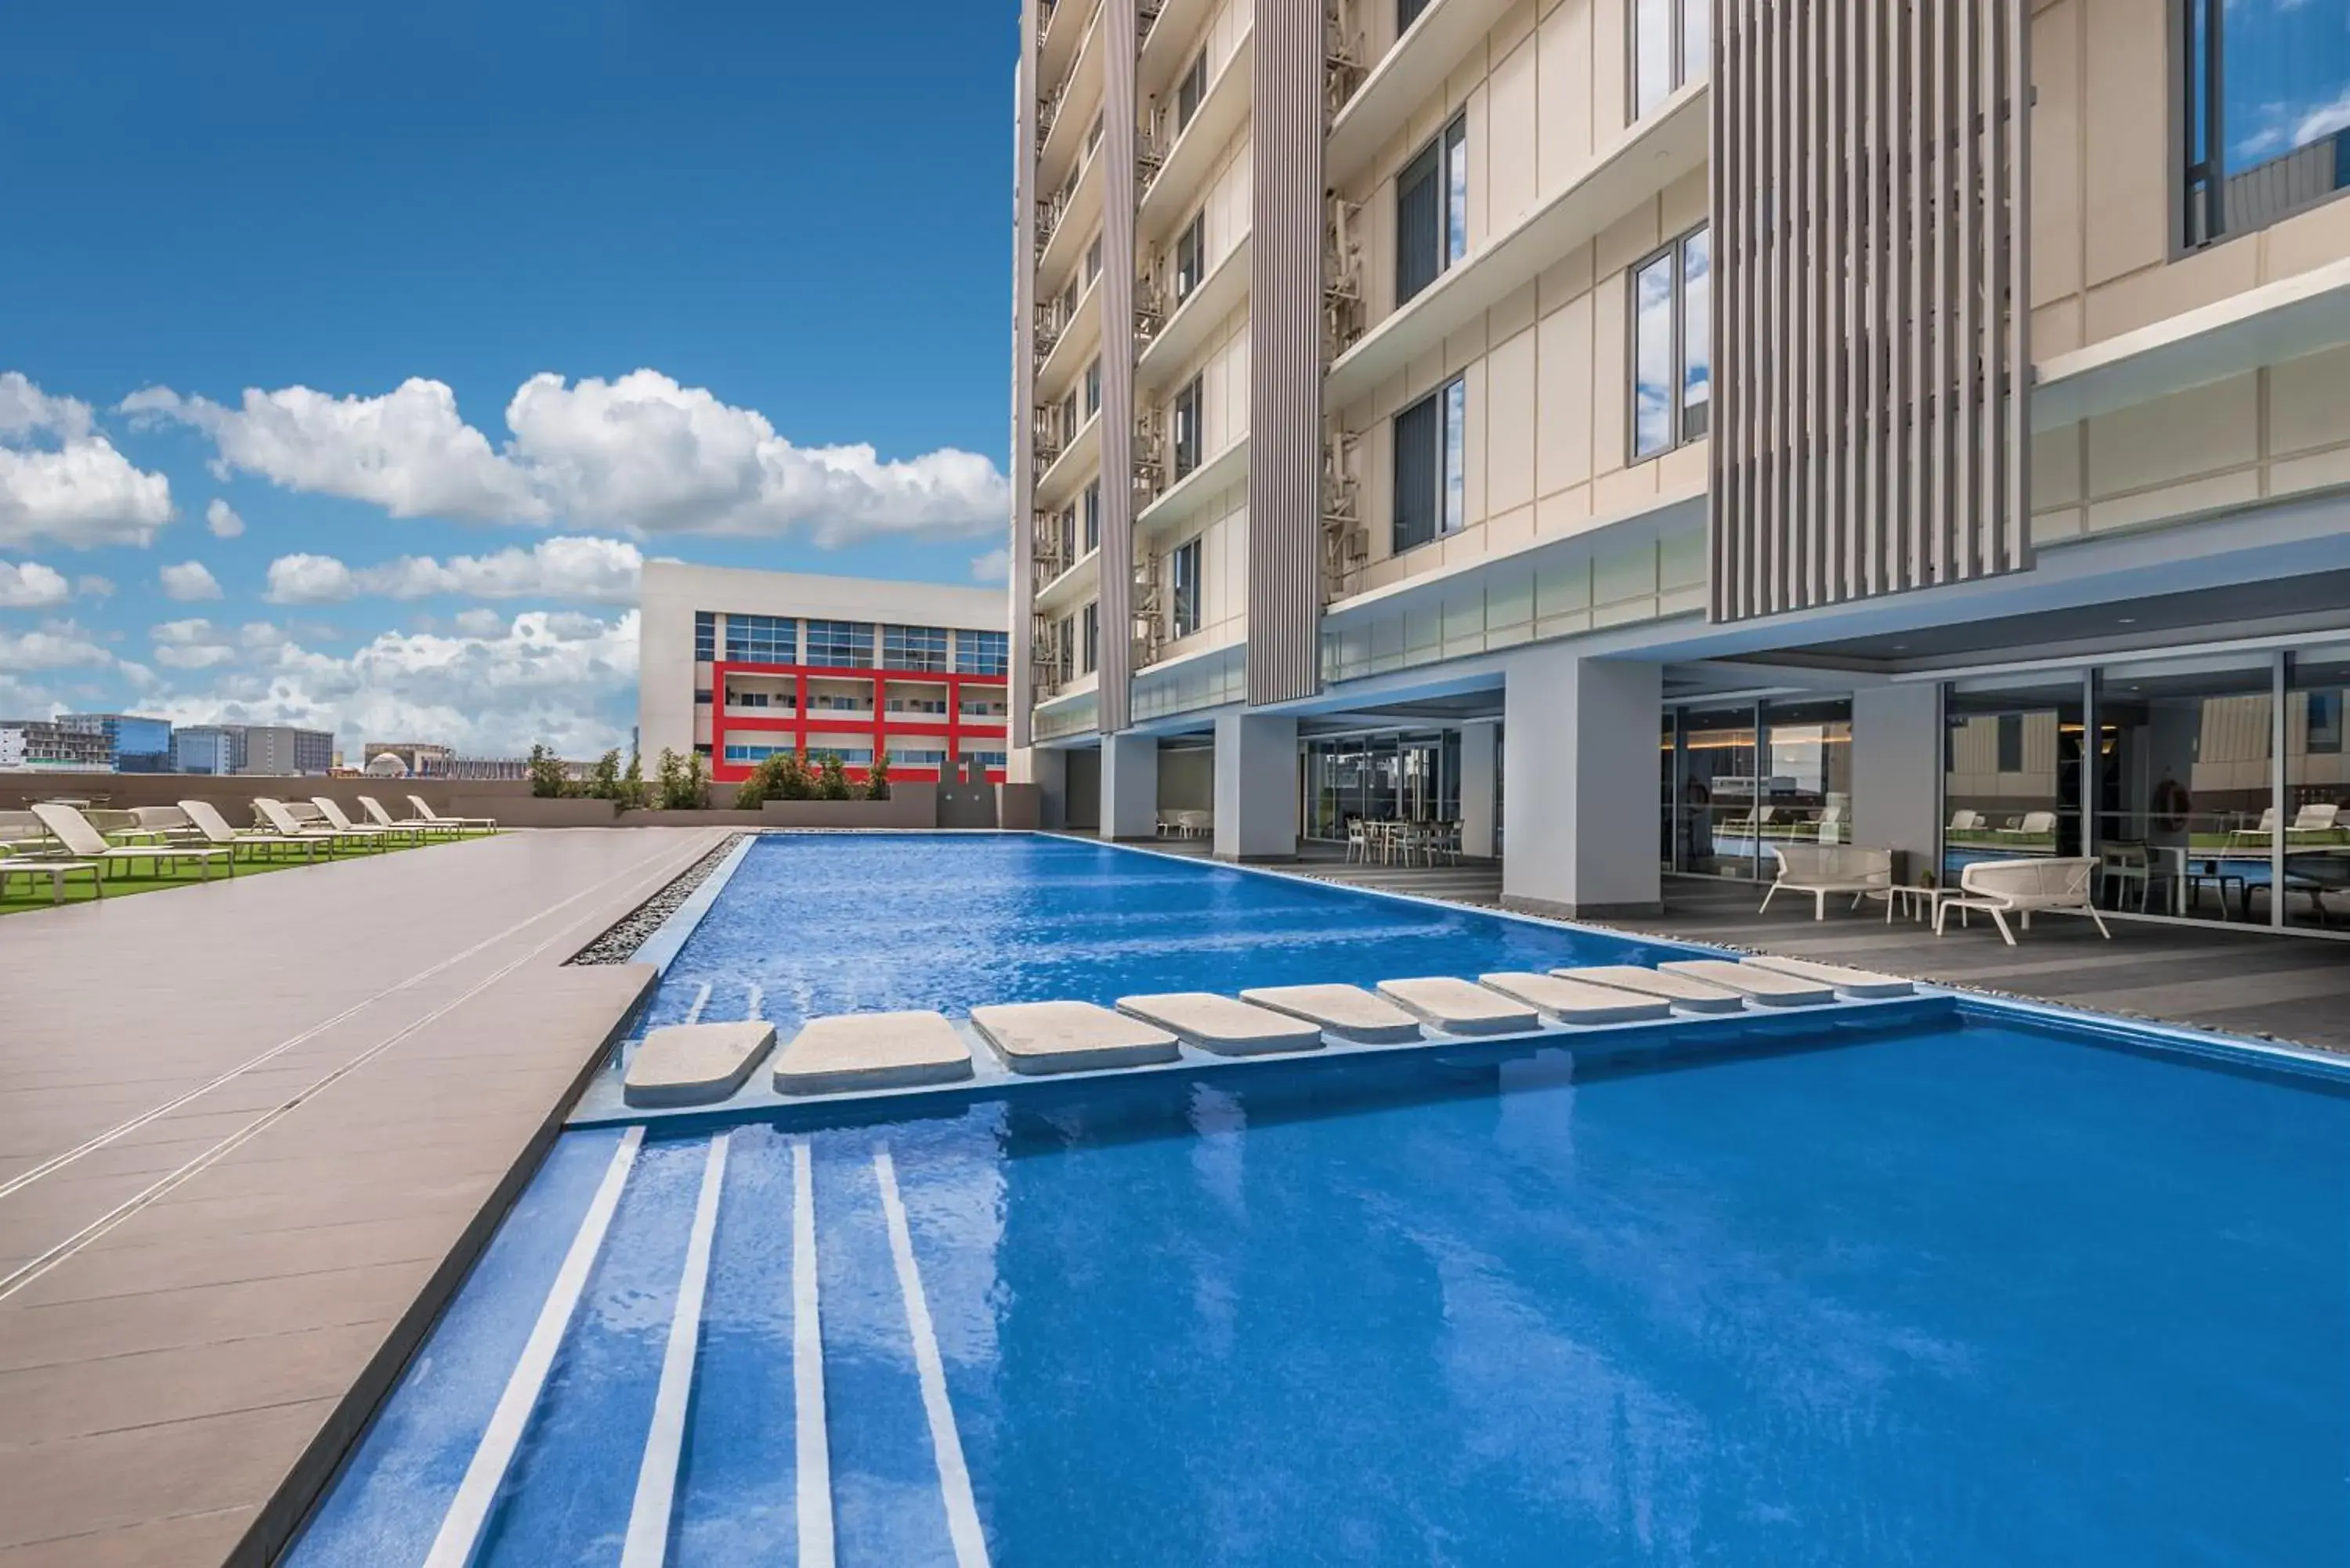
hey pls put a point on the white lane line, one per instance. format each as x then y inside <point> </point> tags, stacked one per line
<point>756,1010</point>
<point>700,1001</point>
<point>648,1539</point>
<point>122,1129</point>
<point>954,1475</point>
<point>812,1444</point>
<point>469,1510</point>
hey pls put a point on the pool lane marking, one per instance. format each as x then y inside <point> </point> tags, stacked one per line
<point>647,1542</point>
<point>812,1443</point>
<point>468,1512</point>
<point>954,1475</point>
<point>700,1001</point>
<point>122,1129</point>
<point>33,1268</point>
<point>756,1010</point>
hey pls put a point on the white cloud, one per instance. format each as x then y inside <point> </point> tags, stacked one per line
<point>639,455</point>
<point>498,686</point>
<point>60,479</point>
<point>91,587</point>
<point>60,644</point>
<point>189,581</point>
<point>994,568</point>
<point>480,622</point>
<point>31,586</point>
<point>601,571</point>
<point>222,519</point>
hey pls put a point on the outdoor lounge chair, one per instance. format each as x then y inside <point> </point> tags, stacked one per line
<point>1821,869</point>
<point>333,812</point>
<point>382,818</point>
<point>426,813</point>
<point>209,822</point>
<point>1966,821</point>
<point>56,871</point>
<point>2034,825</point>
<point>2004,887</point>
<point>281,820</point>
<point>2323,817</point>
<point>84,842</point>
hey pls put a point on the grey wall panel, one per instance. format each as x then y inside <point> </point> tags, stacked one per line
<point>1119,144</point>
<point>1285,487</point>
<point>1869,209</point>
<point>1024,377</point>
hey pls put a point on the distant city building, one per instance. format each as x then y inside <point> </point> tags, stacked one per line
<point>417,758</point>
<point>480,770</point>
<point>204,749</point>
<point>134,743</point>
<point>283,751</point>
<point>46,744</point>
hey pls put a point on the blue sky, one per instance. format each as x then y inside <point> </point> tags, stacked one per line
<point>304,263</point>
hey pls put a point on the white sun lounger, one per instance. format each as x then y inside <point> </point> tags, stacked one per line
<point>84,842</point>
<point>1347,1011</point>
<point>1766,986</point>
<point>695,1064</point>
<point>1687,995</point>
<point>382,818</point>
<point>1857,982</point>
<point>426,813</point>
<point>1459,1007</point>
<point>1070,1037</point>
<point>279,817</point>
<point>1574,1000</point>
<point>333,812</point>
<point>56,871</point>
<point>209,822</point>
<point>1222,1025</point>
<point>872,1050</point>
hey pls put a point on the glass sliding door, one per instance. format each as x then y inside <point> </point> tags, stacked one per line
<point>2315,812</point>
<point>2182,786</point>
<point>1717,830</point>
<point>1806,789</point>
<point>2012,770</point>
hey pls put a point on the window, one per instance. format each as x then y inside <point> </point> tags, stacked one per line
<point>1668,49</point>
<point>738,698</point>
<point>1093,388</point>
<point>983,652</point>
<point>1431,495</point>
<point>1407,12</point>
<point>1432,209</point>
<point>2266,122</point>
<point>1065,648</point>
<point>1091,502</point>
<point>1191,90</point>
<point>751,754</point>
<point>1092,269</point>
<point>2010,745</point>
<point>761,639</point>
<point>706,637</point>
<point>1089,649</point>
<point>914,648</point>
<point>1187,427</point>
<point>1184,566</point>
<point>1191,256</point>
<point>841,644</point>
<point>1672,324</point>
<point>918,758</point>
<point>1069,418</point>
<point>986,759</point>
<point>702,698</point>
<point>1093,135</point>
<point>1068,540</point>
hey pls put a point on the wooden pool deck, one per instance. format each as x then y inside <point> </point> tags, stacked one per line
<point>251,1133</point>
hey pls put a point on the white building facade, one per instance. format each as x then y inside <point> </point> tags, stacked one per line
<point>1636,441</point>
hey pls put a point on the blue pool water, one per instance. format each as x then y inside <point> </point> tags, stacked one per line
<point>1968,1292</point>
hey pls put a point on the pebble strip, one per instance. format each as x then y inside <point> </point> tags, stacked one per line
<point>619,944</point>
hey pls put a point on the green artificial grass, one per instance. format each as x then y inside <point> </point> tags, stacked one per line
<point>121,883</point>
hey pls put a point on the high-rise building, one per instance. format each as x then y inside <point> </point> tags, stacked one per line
<point>1923,424</point>
<point>204,749</point>
<point>739,665</point>
<point>50,745</point>
<point>134,743</point>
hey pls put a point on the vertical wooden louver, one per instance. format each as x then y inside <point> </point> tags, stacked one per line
<point>1285,487</point>
<point>1870,367</point>
<point>1119,114</point>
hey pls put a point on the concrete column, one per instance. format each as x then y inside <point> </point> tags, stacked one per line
<point>1477,822</point>
<point>1256,787</point>
<point>1129,786</point>
<point>1897,774</point>
<point>1048,770</point>
<point>1579,791</point>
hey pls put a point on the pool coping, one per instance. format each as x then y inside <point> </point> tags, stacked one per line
<point>669,938</point>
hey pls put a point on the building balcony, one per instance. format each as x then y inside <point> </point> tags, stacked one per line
<point>1068,590</point>
<point>1182,176</point>
<point>1168,47</point>
<point>1073,227</point>
<point>1192,325</point>
<point>1074,349</point>
<point>1080,99</point>
<point>1407,77</point>
<point>1063,35</point>
<point>781,712</point>
<point>1185,501</point>
<point>1649,156</point>
<point>1059,481</point>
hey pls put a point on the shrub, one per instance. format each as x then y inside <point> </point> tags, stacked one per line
<point>680,783</point>
<point>549,778</point>
<point>832,784</point>
<point>633,795</point>
<point>779,775</point>
<point>877,777</point>
<point>604,783</point>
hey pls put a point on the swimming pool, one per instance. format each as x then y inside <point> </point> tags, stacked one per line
<point>1983,1291</point>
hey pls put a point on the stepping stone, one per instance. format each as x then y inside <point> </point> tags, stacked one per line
<point>1070,1037</point>
<point>1347,1011</point>
<point>1688,994</point>
<point>1768,987</point>
<point>1572,1001</point>
<point>1457,1007</point>
<point>1223,1025</point>
<point>872,1050</point>
<point>695,1064</point>
<point>1850,981</point>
